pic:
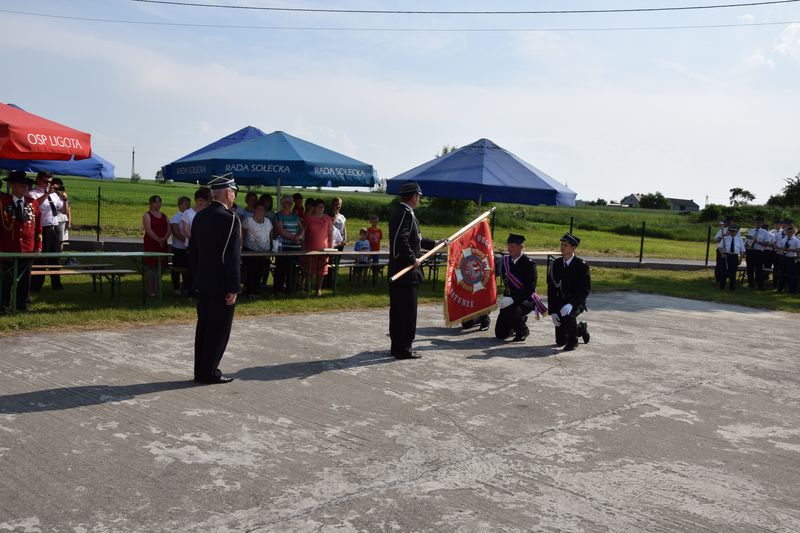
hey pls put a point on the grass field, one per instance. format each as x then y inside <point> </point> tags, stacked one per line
<point>79,308</point>
<point>605,231</point>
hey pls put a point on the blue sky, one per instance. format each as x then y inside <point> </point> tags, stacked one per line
<point>688,112</point>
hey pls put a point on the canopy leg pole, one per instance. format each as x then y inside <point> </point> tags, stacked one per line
<point>278,194</point>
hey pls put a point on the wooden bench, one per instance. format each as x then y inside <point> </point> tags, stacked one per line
<point>112,275</point>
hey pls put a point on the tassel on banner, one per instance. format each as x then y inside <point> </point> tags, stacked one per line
<point>539,308</point>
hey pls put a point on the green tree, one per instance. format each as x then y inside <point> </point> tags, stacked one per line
<point>654,201</point>
<point>740,197</point>
<point>791,192</point>
<point>446,149</point>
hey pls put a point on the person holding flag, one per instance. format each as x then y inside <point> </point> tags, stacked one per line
<point>519,297</point>
<point>568,286</point>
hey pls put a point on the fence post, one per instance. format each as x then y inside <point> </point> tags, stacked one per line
<point>98,213</point>
<point>708,244</point>
<point>641,246</point>
<point>571,220</point>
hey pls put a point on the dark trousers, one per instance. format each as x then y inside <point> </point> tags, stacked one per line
<point>511,320</point>
<point>755,268</point>
<point>23,287</point>
<point>51,242</point>
<point>254,270</point>
<point>214,320</point>
<point>180,269</point>
<point>285,277</point>
<point>788,274</point>
<point>720,267</point>
<point>768,261</point>
<point>567,332</point>
<point>731,268</point>
<point>402,317</point>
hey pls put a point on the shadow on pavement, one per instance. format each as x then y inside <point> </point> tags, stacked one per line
<point>306,369</point>
<point>82,396</point>
<point>518,351</point>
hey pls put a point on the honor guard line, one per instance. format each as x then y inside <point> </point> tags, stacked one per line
<point>444,243</point>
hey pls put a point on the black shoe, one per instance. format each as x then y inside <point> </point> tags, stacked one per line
<point>58,288</point>
<point>571,346</point>
<point>585,332</point>
<point>520,337</point>
<point>216,379</point>
<point>484,327</point>
<point>412,355</point>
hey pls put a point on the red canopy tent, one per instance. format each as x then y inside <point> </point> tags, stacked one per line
<point>24,135</point>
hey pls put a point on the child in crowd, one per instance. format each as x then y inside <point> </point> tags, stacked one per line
<point>362,245</point>
<point>374,236</point>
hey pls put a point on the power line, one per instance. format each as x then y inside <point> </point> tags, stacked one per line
<point>521,12</point>
<point>397,30</point>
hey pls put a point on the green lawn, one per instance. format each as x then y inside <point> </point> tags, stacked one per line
<point>79,308</point>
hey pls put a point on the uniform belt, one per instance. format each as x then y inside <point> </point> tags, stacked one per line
<point>50,226</point>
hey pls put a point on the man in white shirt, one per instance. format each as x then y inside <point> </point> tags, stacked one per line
<point>50,205</point>
<point>788,247</point>
<point>760,240</point>
<point>180,259</point>
<point>731,247</point>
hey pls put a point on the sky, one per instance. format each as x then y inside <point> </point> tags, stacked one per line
<point>670,106</point>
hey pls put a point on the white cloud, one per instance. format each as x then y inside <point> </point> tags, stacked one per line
<point>790,41</point>
<point>759,60</point>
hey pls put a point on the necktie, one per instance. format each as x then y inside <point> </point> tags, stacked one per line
<point>19,213</point>
<point>52,207</point>
<point>786,248</point>
<point>732,243</point>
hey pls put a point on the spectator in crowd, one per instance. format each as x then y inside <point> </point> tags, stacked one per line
<point>290,232</point>
<point>788,247</point>
<point>319,235</point>
<point>247,211</point>
<point>339,222</point>
<point>180,258</point>
<point>20,231</point>
<point>65,216</point>
<point>266,199</point>
<point>769,253</point>
<point>374,235</point>
<point>362,261</point>
<point>202,197</point>
<point>257,237</point>
<point>731,247</point>
<point>50,207</point>
<point>298,208</point>
<point>156,235</point>
<point>309,205</point>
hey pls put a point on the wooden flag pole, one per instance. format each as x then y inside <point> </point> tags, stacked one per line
<point>441,245</point>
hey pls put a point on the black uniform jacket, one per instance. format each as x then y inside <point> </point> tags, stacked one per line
<point>215,250</point>
<point>405,242</point>
<point>524,270</point>
<point>570,284</point>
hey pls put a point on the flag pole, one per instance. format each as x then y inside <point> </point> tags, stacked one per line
<point>441,245</point>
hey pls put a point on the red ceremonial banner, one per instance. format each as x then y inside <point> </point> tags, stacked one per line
<point>470,289</point>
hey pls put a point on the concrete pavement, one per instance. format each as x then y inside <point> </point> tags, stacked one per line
<point>677,416</point>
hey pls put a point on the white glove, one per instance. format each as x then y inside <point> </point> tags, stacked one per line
<point>505,301</point>
<point>566,310</point>
<point>556,320</point>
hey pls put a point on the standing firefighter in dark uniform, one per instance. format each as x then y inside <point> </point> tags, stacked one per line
<point>215,256</point>
<point>519,278</point>
<point>405,242</point>
<point>568,286</point>
<point>20,231</point>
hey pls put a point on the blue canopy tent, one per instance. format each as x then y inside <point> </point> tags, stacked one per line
<point>485,172</point>
<point>276,159</point>
<point>92,167</point>
<point>244,134</point>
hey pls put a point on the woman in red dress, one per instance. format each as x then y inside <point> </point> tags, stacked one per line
<point>319,235</point>
<point>156,234</point>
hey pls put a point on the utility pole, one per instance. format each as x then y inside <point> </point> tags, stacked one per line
<point>133,161</point>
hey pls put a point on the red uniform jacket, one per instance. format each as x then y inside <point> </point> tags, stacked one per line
<point>20,235</point>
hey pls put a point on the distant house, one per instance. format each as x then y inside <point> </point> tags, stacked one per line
<point>632,200</point>
<point>684,206</point>
<point>687,206</point>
